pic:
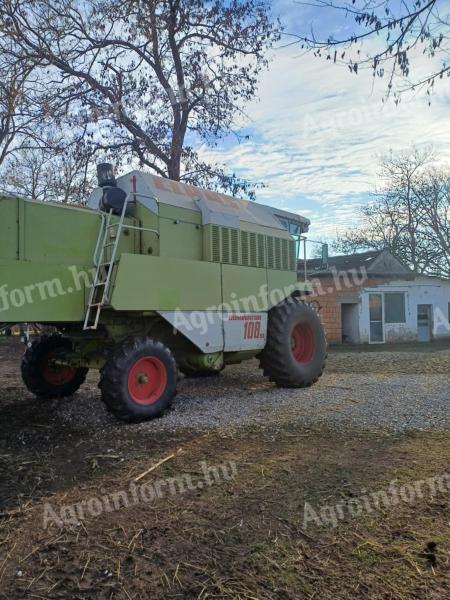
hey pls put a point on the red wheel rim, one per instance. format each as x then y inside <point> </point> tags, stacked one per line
<point>147,380</point>
<point>303,343</point>
<point>56,374</point>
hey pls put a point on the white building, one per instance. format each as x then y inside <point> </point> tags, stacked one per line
<point>405,310</point>
<point>371,297</point>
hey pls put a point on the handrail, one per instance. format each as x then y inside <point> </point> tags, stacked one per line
<point>139,228</point>
<point>303,241</point>
<point>99,237</point>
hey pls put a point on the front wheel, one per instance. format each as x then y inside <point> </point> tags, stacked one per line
<point>139,380</point>
<point>296,348</point>
<point>42,374</point>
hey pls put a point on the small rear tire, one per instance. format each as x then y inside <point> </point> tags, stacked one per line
<point>45,379</point>
<point>139,380</point>
<point>296,348</point>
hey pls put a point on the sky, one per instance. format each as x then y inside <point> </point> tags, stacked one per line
<point>318,132</point>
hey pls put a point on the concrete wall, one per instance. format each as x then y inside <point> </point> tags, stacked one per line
<point>423,290</point>
<point>331,292</point>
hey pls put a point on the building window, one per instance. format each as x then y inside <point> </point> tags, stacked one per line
<point>394,307</point>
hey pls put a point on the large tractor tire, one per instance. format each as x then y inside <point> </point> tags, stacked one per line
<point>139,380</point>
<point>296,348</point>
<point>45,379</point>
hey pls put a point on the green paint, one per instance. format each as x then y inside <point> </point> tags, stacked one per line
<point>46,265</point>
<point>165,283</point>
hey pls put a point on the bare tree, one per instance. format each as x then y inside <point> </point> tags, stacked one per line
<point>20,113</point>
<point>402,33</point>
<point>151,78</point>
<point>50,173</point>
<point>410,215</point>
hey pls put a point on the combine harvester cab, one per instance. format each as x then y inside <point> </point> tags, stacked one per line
<point>152,278</point>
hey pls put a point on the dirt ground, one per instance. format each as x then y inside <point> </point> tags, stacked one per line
<point>263,523</point>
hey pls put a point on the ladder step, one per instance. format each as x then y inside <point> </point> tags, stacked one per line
<point>104,270</point>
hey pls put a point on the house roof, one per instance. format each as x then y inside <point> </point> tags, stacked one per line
<point>374,262</point>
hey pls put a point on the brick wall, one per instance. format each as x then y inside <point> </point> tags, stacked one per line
<point>326,296</point>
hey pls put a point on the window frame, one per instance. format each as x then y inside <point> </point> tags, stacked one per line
<point>371,321</point>
<point>394,322</point>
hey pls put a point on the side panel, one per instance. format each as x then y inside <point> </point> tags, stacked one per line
<point>166,211</point>
<point>212,331</point>
<point>46,260</point>
<point>181,234</point>
<point>38,292</point>
<point>179,238</point>
<point>244,331</point>
<point>203,328</point>
<point>147,242</point>
<point>244,288</point>
<point>9,243</point>
<point>59,234</point>
<point>166,284</point>
<point>281,284</point>
<point>43,248</point>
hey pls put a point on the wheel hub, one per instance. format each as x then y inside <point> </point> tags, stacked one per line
<point>54,373</point>
<point>303,343</point>
<point>147,380</point>
<point>143,379</point>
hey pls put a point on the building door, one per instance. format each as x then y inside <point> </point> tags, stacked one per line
<point>376,318</point>
<point>350,323</point>
<point>424,322</point>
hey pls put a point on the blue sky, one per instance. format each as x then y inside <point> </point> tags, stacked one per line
<point>317,132</point>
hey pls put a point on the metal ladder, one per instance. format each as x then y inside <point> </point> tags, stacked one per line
<point>99,292</point>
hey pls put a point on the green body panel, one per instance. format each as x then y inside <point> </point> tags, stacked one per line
<point>46,253</point>
<point>46,264</point>
<point>180,239</point>
<point>9,217</point>
<point>164,283</point>
<point>180,233</point>
<point>176,213</point>
<point>59,235</point>
<point>147,242</point>
<point>281,284</point>
<point>47,233</point>
<point>244,288</point>
<point>42,293</point>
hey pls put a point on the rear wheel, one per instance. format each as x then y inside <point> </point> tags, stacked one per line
<point>139,380</point>
<point>296,347</point>
<point>41,372</point>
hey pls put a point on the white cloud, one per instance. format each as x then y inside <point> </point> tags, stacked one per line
<point>318,133</point>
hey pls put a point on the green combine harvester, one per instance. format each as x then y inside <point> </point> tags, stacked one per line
<point>151,278</point>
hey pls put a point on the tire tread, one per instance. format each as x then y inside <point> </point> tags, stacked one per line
<point>273,359</point>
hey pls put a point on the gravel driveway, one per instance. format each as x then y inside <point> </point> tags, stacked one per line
<point>397,390</point>
<point>321,445</point>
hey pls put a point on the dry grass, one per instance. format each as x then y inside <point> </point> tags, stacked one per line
<point>243,538</point>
